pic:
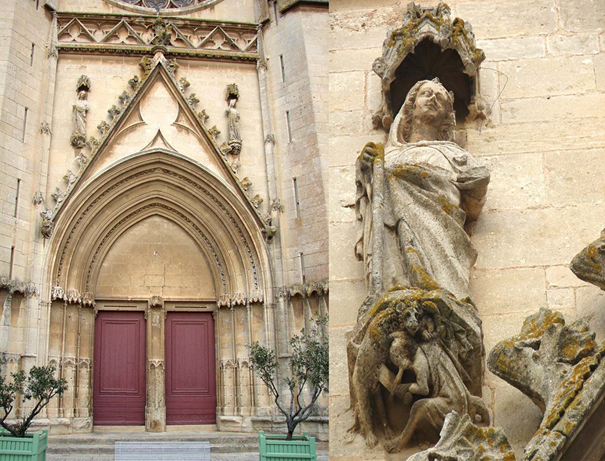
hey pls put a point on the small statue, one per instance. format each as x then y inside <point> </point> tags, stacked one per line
<point>80,111</point>
<point>234,138</point>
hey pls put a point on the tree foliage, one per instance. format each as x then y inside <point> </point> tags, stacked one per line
<point>309,367</point>
<point>40,385</point>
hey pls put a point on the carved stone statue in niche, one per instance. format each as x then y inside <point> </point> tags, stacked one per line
<point>234,137</point>
<point>416,353</point>
<point>430,188</point>
<point>80,111</point>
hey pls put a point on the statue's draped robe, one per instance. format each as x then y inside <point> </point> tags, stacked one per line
<point>425,184</point>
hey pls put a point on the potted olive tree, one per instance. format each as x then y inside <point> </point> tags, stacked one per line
<point>39,386</point>
<point>309,362</point>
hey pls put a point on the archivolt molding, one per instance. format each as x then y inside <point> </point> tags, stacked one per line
<point>143,212</point>
<point>158,183</point>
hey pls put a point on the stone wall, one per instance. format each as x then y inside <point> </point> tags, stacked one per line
<point>544,143</point>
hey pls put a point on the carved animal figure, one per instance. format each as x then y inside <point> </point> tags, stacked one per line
<point>589,264</point>
<point>437,378</point>
<point>388,325</point>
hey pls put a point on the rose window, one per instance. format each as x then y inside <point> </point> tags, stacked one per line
<point>164,5</point>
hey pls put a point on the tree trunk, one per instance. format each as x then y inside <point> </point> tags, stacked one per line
<point>289,436</point>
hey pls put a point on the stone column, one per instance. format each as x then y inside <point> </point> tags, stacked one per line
<point>155,410</point>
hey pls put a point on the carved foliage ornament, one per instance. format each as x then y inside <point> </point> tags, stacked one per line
<point>561,369</point>
<point>446,41</point>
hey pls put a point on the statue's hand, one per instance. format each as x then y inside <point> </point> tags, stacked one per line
<point>401,390</point>
<point>370,153</point>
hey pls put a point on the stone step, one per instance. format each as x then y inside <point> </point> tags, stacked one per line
<point>250,456</point>
<point>110,439</point>
<point>107,449</point>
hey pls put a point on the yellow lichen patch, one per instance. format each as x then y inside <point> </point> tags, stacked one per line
<point>425,281</point>
<point>376,150</point>
<point>446,205</point>
<point>410,173</point>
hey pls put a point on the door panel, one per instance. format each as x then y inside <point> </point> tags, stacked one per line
<point>190,368</point>
<point>119,369</point>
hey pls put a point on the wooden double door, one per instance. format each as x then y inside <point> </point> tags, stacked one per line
<point>120,384</point>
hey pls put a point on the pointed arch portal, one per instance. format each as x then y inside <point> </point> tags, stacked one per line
<point>106,233</point>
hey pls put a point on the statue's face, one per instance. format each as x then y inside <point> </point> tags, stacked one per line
<point>431,103</point>
<point>410,322</point>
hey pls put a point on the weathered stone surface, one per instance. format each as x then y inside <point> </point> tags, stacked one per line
<point>575,44</point>
<point>547,76</point>
<point>562,277</point>
<point>572,179</point>
<point>590,302</point>
<point>518,416</point>
<point>461,439</point>
<point>342,194</point>
<point>511,18</point>
<point>582,15</point>
<point>589,264</point>
<point>517,181</point>
<point>599,65</point>
<point>540,237</point>
<point>506,49</point>
<point>561,298</point>
<point>346,89</point>
<point>554,108</point>
<point>346,293</point>
<point>349,60</point>
<point>537,137</point>
<point>552,364</point>
<point>508,290</point>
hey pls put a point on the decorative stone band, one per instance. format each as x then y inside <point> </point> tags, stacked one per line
<point>14,286</point>
<point>308,289</point>
<point>195,38</point>
<point>240,299</point>
<point>171,6</point>
<point>73,296</point>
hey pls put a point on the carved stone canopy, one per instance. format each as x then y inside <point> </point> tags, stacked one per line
<point>427,45</point>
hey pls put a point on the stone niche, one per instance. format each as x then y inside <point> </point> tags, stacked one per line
<point>428,45</point>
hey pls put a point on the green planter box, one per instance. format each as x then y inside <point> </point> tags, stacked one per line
<point>277,448</point>
<point>30,448</point>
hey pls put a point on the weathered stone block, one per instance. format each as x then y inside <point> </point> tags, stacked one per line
<point>506,19</point>
<point>536,137</point>
<point>599,68</point>
<point>346,90</point>
<point>582,15</point>
<point>572,44</point>
<point>505,49</point>
<point>562,277</point>
<point>347,296</point>
<point>517,181</point>
<point>574,177</point>
<point>508,290</point>
<point>554,108</point>
<point>561,298</point>
<point>517,415</point>
<point>547,76</point>
<point>342,194</point>
<point>590,302</point>
<point>346,123</point>
<point>348,60</point>
<point>343,264</point>
<point>534,237</point>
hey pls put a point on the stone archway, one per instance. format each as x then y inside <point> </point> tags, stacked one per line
<point>200,235</point>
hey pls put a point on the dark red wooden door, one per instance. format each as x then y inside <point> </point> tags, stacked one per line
<point>119,369</point>
<point>190,368</point>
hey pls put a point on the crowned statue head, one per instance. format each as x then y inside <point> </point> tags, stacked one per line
<point>426,115</point>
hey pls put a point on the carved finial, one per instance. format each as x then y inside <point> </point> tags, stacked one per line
<point>203,116</point>
<point>124,98</point>
<point>257,201</point>
<point>183,84</point>
<point>246,183</point>
<point>83,83</point>
<point>214,132</point>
